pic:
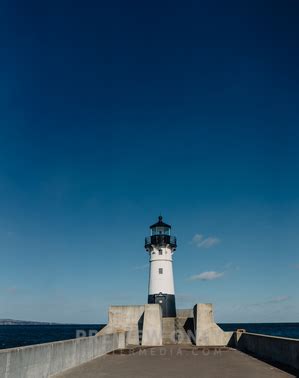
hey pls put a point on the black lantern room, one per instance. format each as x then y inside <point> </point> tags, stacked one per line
<point>160,235</point>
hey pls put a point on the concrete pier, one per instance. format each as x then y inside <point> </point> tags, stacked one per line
<point>176,362</point>
<point>138,342</point>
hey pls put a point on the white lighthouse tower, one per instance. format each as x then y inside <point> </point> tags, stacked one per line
<point>161,246</point>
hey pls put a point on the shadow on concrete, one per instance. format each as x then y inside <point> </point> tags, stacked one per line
<point>232,341</point>
<point>189,329</point>
<point>276,364</point>
<point>140,328</point>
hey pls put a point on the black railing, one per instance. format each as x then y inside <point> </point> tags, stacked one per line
<point>160,240</point>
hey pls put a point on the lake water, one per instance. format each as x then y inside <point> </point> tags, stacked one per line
<point>274,329</point>
<point>12,336</point>
<point>20,335</point>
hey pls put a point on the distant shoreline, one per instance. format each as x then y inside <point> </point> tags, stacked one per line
<point>24,322</point>
<point>32,322</point>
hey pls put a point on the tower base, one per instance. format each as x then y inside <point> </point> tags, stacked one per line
<point>166,301</point>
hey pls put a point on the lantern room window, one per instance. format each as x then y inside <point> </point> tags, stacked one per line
<point>160,231</point>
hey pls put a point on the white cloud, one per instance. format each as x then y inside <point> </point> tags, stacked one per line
<point>282,298</point>
<point>279,299</point>
<point>207,276</point>
<point>201,242</point>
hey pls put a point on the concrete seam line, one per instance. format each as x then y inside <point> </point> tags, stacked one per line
<point>7,365</point>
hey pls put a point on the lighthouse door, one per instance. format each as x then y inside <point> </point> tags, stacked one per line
<point>161,300</point>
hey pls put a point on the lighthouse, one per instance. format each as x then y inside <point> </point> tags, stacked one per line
<point>160,246</point>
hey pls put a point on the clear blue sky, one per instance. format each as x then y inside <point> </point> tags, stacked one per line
<point>112,112</point>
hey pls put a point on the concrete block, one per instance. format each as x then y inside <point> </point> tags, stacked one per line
<point>121,318</point>
<point>152,325</point>
<point>207,332</point>
<point>127,319</point>
<point>184,313</point>
<point>121,342</point>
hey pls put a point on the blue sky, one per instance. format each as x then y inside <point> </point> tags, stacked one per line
<point>111,114</point>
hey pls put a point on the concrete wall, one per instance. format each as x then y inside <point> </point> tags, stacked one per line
<point>44,360</point>
<point>184,313</point>
<point>142,324</point>
<point>152,325</point>
<point>127,319</point>
<point>207,332</point>
<point>279,350</point>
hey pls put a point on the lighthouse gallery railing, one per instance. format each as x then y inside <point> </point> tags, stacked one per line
<point>160,240</point>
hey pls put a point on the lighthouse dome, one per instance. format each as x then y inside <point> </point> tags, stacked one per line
<point>160,223</point>
<point>160,228</point>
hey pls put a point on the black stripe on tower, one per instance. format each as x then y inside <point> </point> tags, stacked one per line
<point>167,302</point>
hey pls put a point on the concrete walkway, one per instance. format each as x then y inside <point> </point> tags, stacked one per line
<point>175,362</point>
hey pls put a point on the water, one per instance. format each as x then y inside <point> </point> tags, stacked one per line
<point>12,336</point>
<point>274,329</point>
<point>20,335</point>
